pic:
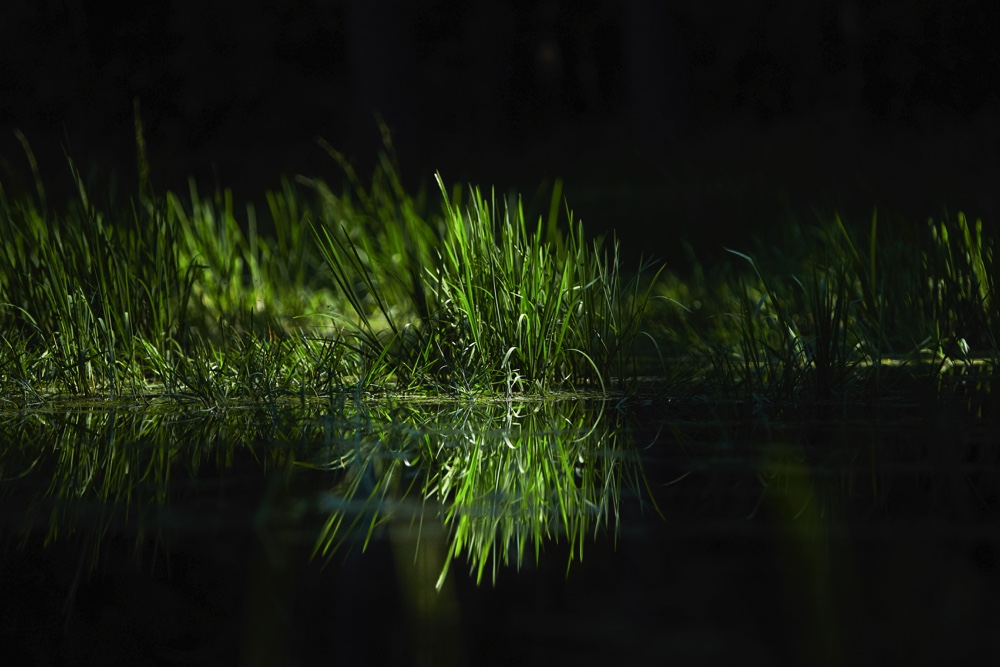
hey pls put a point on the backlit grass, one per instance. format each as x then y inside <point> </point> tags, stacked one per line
<point>371,289</point>
<point>337,295</point>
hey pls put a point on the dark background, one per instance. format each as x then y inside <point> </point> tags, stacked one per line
<point>705,120</point>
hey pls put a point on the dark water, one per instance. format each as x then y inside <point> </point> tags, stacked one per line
<point>694,533</point>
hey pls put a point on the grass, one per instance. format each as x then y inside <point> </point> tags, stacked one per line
<point>840,312</point>
<point>375,290</point>
<point>464,300</point>
<point>184,299</point>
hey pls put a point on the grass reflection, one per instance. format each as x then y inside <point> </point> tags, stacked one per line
<point>93,474</point>
<point>503,477</point>
<point>488,481</point>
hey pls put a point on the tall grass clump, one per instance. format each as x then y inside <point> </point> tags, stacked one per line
<point>149,297</point>
<point>479,299</point>
<point>540,306</point>
<point>375,242</point>
<point>82,288</point>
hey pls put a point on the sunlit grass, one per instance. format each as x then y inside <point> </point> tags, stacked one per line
<point>183,296</point>
<point>371,289</point>
<point>347,298</point>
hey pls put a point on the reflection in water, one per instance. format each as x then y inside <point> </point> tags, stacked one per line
<point>498,478</point>
<point>491,482</point>
<point>90,474</point>
<point>502,477</point>
<point>811,531</point>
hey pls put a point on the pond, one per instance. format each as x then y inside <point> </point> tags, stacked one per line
<point>566,530</point>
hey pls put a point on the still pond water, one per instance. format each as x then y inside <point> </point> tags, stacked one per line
<point>576,531</point>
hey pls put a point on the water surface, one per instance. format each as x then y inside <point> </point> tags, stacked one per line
<point>423,532</point>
